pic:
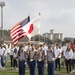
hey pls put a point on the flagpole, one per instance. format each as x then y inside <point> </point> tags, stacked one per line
<point>39,32</point>
<point>30,41</point>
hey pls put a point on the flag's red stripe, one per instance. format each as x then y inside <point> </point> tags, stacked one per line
<point>19,38</point>
<point>16,33</point>
<point>14,30</point>
<point>23,34</point>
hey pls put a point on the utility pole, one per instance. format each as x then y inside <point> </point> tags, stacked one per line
<point>2,4</point>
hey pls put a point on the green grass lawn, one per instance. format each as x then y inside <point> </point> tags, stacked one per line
<point>9,71</point>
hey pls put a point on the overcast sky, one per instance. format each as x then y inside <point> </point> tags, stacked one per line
<point>55,14</point>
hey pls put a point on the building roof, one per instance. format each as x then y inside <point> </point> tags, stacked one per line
<point>54,33</point>
<point>58,33</point>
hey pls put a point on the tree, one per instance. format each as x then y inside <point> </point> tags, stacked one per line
<point>58,41</point>
<point>38,38</point>
<point>48,41</point>
<point>68,39</point>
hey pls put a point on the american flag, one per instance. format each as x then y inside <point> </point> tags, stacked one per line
<point>17,32</point>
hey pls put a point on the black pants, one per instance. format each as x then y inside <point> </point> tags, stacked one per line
<point>15,63</point>
<point>73,63</point>
<point>68,65</point>
<point>57,62</point>
<point>11,60</point>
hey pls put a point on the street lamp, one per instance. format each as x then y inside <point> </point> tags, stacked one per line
<point>1,5</point>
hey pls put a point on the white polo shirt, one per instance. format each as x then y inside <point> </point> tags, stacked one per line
<point>5,51</point>
<point>57,52</point>
<point>8,50</point>
<point>17,48</point>
<point>64,48</point>
<point>45,48</point>
<point>1,52</point>
<point>11,51</point>
<point>73,57</point>
<point>69,54</point>
<point>26,48</point>
<point>14,55</point>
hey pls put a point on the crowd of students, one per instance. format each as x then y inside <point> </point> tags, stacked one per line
<point>37,57</point>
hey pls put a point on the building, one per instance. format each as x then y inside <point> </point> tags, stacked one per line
<point>53,36</point>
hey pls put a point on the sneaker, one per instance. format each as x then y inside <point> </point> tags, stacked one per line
<point>17,69</point>
<point>0,66</point>
<point>55,71</point>
<point>46,65</point>
<point>3,68</point>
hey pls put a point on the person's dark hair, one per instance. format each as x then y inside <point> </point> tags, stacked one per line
<point>1,46</point>
<point>32,44</point>
<point>41,45</point>
<point>44,44</point>
<point>28,43</point>
<point>15,50</point>
<point>74,41</point>
<point>59,47</point>
<point>20,49</point>
<point>68,49</point>
<point>49,46</point>
<point>4,46</point>
<point>57,44</point>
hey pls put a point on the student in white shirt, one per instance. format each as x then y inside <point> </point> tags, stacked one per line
<point>53,46</point>
<point>64,48</point>
<point>8,49</point>
<point>4,56</point>
<point>17,47</point>
<point>73,58</point>
<point>15,56</point>
<point>26,47</point>
<point>11,55</point>
<point>27,50</point>
<point>45,48</point>
<point>68,58</point>
<point>1,53</point>
<point>58,56</point>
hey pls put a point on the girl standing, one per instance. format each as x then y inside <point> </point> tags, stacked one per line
<point>73,58</point>
<point>51,61</point>
<point>15,55</point>
<point>1,53</point>
<point>41,58</point>
<point>4,57</point>
<point>32,58</point>
<point>21,58</point>
<point>11,55</point>
<point>68,58</point>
